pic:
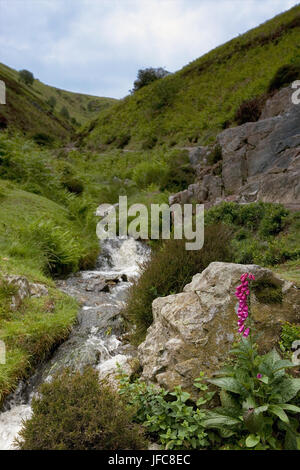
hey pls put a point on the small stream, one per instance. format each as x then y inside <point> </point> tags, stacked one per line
<point>96,338</point>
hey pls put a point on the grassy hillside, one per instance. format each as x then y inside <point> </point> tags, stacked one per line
<point>194,104</point>
<point>48,196</point>
<point>45,231</point>
<point>28,107</point>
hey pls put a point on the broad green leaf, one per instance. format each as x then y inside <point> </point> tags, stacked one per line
<point>228,401</point>
<point>249,403</point>
<point>252,440</point>
<point>217,420</point>
<point>287,406</point>
<point>264,379</point>
<point>228,383</point>
<point>254,422</point>
<point>278,411</point>
<point>288,388</point>
<point>261,409</point>
<point>282,364</point>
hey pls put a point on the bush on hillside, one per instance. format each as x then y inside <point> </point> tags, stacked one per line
<point>170,268</point>
<point>215,156</point>
<point>26,77</point>
<point>268,218</point>
<point>76,412</point>
<point>43,139</point>
<point>147,172</point>
<point>123,140</point>
<point>3,122</point>
<point>58,248</point>
<point>52,102</point>
<point>180,174</point>
<point>284,76</point>
<point>73,184</point>
<point>163,94</point>
<point>249,110</point>
<point>147,76</point>
<point>65,113</point>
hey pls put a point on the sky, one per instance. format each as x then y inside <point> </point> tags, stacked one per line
<point>97,46</point>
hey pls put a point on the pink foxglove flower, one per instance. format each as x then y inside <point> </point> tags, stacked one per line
<point>242,293</point>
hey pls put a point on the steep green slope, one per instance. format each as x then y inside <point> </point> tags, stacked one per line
<point>194,104</point>
<point>28,109</point>
<point>34,233</point>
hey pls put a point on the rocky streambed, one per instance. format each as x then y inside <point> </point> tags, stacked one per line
<point>96,340</point>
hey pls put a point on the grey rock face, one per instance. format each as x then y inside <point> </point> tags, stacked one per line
<point>278,104</point>
<point>198,155</point>
<point>268,148</point>
<point>260,160</point>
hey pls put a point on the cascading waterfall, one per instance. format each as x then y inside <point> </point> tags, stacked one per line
<point>95,339</point>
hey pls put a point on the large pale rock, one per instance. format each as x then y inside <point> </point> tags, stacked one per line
<point>38,290</point>
<point>21,288</point>
<point>109,371</point>
<point>193,331</point>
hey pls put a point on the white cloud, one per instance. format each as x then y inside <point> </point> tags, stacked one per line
<point>98,45</point>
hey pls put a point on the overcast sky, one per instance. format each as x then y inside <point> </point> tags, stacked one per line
<point>97,46</point>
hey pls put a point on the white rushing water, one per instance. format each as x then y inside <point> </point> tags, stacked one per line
<point>89,343</point>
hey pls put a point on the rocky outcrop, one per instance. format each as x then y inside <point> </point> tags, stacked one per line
<point>260,160</point>
<point>193,331</point>
<point>22,288</point>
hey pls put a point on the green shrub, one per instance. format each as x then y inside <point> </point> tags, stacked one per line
<point>147,76</point>
<point>267,292</point>
<point>290,333</point>
<point>73,184</point>
<point>123,140</point>
<point>148,172</point>
<point>256,227</point>
<point>64,112</point>
<point>26,77</point>
<point>149,141</point>
<point>6,292</point>
<point>284,76</point>
<point>52,102</point>
<point>3,122</point>
<point>215,156</point>
<point>256,397</point>
<point>57,246</point>
<point>75,412</point>
<point>163,94</point>
<point>43,139</point>
<point>249,111</point>
<point>170,268</point>
<point>170,416</point>
<point>273,220</point>
<point>266,253</point>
